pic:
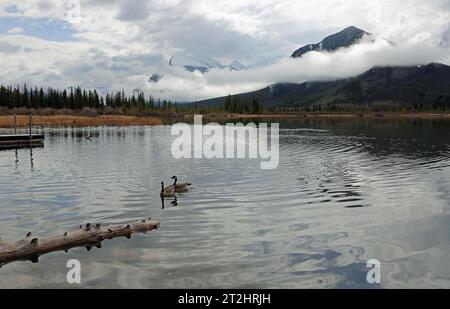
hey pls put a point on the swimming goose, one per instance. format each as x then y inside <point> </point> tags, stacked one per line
<point>180,186</point>
<point>167,192</point>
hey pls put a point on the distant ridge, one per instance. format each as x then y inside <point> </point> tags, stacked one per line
<point>427,86</point>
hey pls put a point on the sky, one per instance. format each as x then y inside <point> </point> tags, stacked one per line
<point>111,45</point>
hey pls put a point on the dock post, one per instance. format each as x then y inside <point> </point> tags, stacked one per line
<point>31,124</point>
<point>15,124</point>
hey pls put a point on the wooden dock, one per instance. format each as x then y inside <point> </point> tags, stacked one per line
<point>15,141</point>
<point>21,141</point>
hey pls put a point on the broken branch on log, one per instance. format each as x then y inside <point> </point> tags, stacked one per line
<point>31,248</point>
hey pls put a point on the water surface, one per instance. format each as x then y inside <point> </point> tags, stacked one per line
<point>346,191</point>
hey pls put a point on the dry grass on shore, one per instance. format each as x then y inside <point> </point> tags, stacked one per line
<point>78,121</point>
<point>121,121</point>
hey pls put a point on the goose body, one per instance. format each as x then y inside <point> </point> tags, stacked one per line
<point>180,186</point>
<point>167,192</point>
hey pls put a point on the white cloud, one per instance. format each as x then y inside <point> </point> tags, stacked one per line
<point>119,44</point>
<point>15,30</point>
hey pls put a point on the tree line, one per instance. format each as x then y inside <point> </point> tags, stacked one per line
<point>77,99</point>
<point>234,104</point>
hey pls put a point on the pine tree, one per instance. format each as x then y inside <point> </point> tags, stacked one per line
<point>65,100</point>
<point>78,104</point>
<point>25,98</point>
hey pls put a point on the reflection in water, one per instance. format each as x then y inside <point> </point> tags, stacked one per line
<point>16,162</point>
<point>16,159</point>
<point>173,203</point>
<point>31,160</point>
<point>346,191</point>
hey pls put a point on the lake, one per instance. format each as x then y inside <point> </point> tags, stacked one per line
<point>346,191</point>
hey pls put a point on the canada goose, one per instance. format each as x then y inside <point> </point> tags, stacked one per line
<point>180,186</point>
<point>167,192</point>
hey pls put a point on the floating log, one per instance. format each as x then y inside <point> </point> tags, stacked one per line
<point>31,248</point>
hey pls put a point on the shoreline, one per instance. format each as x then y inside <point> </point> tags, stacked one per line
<point>6,121</point>
<point>378,115</point>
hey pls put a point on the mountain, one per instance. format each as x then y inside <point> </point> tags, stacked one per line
<point>427,85</point>
<point>195,63</point>
<point>282,94</point>
<point>205,67</point>
<point>194,68</point>
<point>155,78</point>
<point>202,64</point>
<point>342,39</point>
<point>236,66</point>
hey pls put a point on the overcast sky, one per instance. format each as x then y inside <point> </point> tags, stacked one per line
<point>116,44</point>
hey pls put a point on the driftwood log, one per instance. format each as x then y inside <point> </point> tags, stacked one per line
<point>31,248</point>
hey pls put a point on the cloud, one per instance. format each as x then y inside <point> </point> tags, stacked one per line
<point>11,9</point>
<point>15,30</point>
<point>313,66</point>
<point>8,48</point>
<point>120,44</point>
<point>134,10</point>
<point>45,5</point>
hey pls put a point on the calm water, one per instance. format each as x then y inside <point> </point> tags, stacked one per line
<point>346,191</point>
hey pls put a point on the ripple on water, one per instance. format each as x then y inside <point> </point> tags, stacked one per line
<point>336,198</point>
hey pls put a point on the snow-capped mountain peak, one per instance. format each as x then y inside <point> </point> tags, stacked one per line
<point>236,66</point>
<point>345,38</point>
<point>196,63</point>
